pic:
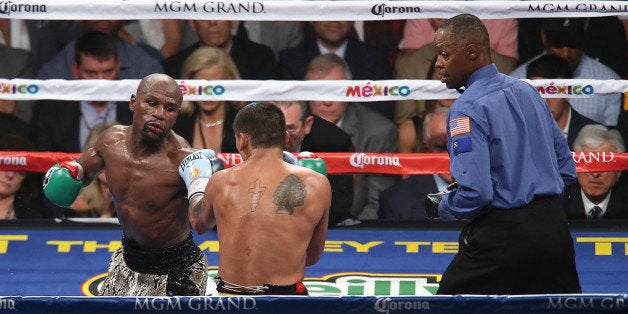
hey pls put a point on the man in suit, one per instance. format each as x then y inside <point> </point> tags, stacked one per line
<point>277,35</point>
<point>369,131</point>
<point>405,200</point>
<point>64,125</point>
<point>310,133</point>
<point>135,62</point>
<point>14,63</point>
<point>566,37</point>
<point>254,61</point>
<point>42,38</point>
<point>569,120</point>
<point>597,195</point>
<point>366,62</point>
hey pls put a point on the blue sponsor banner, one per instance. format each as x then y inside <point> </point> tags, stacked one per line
<point>36,261</point>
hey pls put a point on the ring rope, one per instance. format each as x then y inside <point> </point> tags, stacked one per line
<point>337,163</point>
<point>253,90</point>
<point>300,10</point>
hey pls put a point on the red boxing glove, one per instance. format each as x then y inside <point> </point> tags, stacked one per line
<point>76,170</point>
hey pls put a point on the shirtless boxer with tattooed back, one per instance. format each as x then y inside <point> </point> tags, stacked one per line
<point>141,161</point>
<point>271,216</point>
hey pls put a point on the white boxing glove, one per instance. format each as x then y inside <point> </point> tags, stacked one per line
<point>196,169</point>
<point>290,158</point>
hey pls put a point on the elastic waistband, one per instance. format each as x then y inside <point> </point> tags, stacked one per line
<point>297,288</point>
<point>160,261</point>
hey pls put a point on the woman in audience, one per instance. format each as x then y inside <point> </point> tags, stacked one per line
<point>209,124</point>
<point>18,189</point>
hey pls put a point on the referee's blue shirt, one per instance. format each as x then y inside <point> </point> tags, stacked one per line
<point>504,145</point>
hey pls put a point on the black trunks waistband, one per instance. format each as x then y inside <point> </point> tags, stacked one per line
<point>160,261</point>
<point>297,288</point>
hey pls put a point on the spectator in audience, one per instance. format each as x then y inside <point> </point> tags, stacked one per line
<point>162,36</point>
<point>410,114</point>
<point>15,63</point>
<point>94,200</point>
<point>311,133</point>
<point>566,38</point>
<point>135,62</point>
<point>277,35</point>
<point>604,40</point>
<point>63,126</point>
<point>19,190</point>
<point>334,37</point>
<point>209,124</point>
<point>42,38</point>
<point>369,132</point>
<point>418,33</point>
<point>405,200</point>
<point>254,61</point>
<point>366,62</point>
<point>9,122</point>
<point>597,195</point>
<point>386,34</point>
<point>568,119</point>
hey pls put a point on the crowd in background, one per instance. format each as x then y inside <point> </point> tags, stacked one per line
<point>563,48</point>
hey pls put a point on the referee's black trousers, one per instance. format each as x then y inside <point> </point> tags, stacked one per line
<point>527,250</point>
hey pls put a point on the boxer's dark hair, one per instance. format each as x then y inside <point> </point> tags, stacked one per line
<point>264,123</point>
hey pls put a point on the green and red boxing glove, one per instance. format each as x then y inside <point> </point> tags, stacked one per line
<point>63,182</point>
<point>310,160</point>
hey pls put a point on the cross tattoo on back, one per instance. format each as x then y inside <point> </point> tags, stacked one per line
<point>256,194</point>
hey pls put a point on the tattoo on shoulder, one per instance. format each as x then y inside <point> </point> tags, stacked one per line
<point>256,194</point>
<point>289,194</point>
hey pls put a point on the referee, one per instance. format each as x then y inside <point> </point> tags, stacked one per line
<point>512,164</point>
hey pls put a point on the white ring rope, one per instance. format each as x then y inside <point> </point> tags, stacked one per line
<point>251,90</point>
<point>299,10</point>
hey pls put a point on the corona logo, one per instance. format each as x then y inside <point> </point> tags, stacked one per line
<point>359,160</point>
<point>387,305</point>
<point>386,8</point>
<point>8,7</point>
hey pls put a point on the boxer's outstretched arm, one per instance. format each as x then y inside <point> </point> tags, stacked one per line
<point>63,181</point>
<point>93,164</point>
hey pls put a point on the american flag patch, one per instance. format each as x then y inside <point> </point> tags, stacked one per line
<point>459,126</point>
